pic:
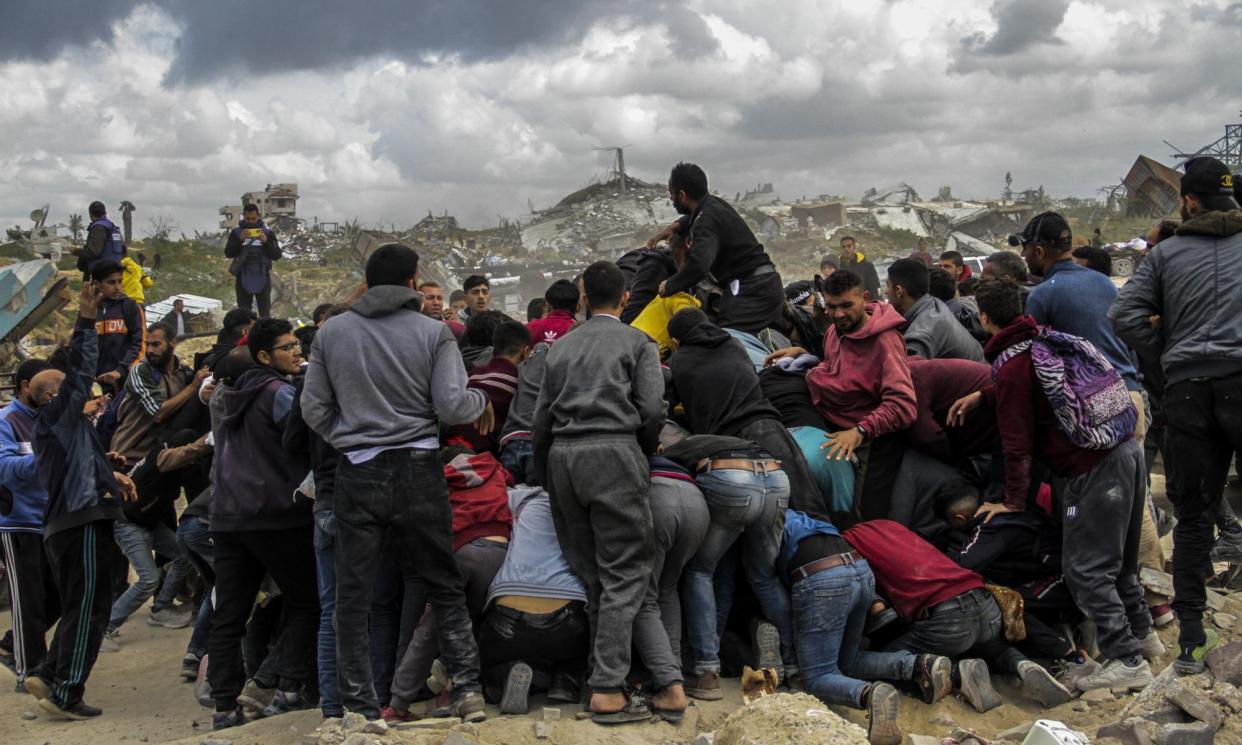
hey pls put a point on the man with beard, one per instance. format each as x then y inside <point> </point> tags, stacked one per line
<point>433,307</point>
<point>723,245</point>
<point>253,247</point>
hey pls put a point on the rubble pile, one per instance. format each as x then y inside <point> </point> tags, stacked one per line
<point>603,218</point>
<point>787,719</point>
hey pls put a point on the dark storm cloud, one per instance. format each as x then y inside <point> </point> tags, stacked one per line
<point>39,31</point>
<point>1019,25</point>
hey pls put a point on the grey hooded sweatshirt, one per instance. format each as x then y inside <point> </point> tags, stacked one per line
<point>385,374</point>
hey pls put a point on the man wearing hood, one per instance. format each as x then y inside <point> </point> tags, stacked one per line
<point>1182,307</point>
<point>382,378</point>
<point>863,388</point>
<point>260,524</point>
<point>931,330</point>
<point>253,247</point>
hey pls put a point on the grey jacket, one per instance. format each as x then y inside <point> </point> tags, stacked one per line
<point>521,419</point>
<point>385,374</point>
<point>934,333</point>
<point>1192,282</point>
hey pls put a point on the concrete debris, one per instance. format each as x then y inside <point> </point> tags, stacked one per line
<point>943,719</point>
<point>358,738</point>
<point>542,731</point>
<point>1081,706</point>
<point>1225,662</point>
<point>1015,734</point>
<point>1194,702</point>
<point>1132,731</point>
<point>1098,696</point>
<point>376,727</point>
<point>1161,583</point>
<point>456,738</point>
<point>551,714</point>
<point>1228,696</point>
<point>29,715</point>
<point>352,722</point>
<point>433,723</point>
<point>1225,621</point>
<point>705,738</point>
<point>922,740</point>
<point>1198,733</point>
<point>787,719</point>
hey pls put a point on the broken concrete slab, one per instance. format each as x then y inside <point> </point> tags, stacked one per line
<point>1015,734</point>
<point>1132,731</point>
<point>1161,583</point>
<point>1195,702</point>
<point>1196,733</point>
<point>1225,662</point>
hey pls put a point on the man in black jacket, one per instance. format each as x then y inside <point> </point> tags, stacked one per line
<point>722,244</point>
<point>253,247</point>
<point>82,504</point>
<point>260,525</point>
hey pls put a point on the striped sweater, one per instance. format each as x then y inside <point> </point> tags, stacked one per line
<point>497,379</point>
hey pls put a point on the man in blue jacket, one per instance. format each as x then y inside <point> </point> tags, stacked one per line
<point>83,493</point>
<point>22,502</point>
<point>103,240</point>
<point>253,247</point>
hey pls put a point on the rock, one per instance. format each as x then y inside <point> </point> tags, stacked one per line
<point>705,738</point>
<point>1197,733</point>
<point>943,720</point>
<point>376,727</point>
<point>1194,702</point>
<point>1081,706</point>
<point>434,723</point>
<point>29,715</point>
<point>582,715</point>
<point>1225,662</point>
<point>922,740</point>
<point>1132,731</point>
<point>542,731</point>
<point>787,719</point>
<point>456,738</point>
<point>1225,621</point>
<point>1015,734</point>
<point>1098,696</point>
<point>352,722</point>
<point>1161,583</point>
<point>1227,696</point>
<point>358,738</point>
<point>551,714</point>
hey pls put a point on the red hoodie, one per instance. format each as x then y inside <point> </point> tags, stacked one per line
<point>478,494</point>
<point>551,327</point>
<point>908,570</point>
<point>865,378</point>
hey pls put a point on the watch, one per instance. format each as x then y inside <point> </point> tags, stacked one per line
<point>861,431</point>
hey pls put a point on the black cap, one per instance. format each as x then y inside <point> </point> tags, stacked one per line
<point>1046,227</point>
<point>1207,177</point>
<point>798,292</point>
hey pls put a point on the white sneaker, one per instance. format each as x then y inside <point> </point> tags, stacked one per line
<point>1151,646</point>
<point>1040,684</point>
<point>1075,671</point>
<point>1117,674</point>
<point>109,643</point>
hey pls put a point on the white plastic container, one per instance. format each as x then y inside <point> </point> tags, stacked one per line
<point>1048,732</point>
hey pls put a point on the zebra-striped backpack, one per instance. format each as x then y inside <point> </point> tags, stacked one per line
<point>1088,397</point>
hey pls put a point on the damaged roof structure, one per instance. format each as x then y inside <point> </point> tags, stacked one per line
<point>1152,188</point>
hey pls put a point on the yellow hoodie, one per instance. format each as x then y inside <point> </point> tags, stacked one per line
<point>134,282</point>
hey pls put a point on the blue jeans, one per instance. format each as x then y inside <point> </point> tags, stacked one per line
<point>195,539</point>
<point>518,457</point>
<point>829,613</point>
<point>139,543</point>
<point>751,505</point>
<point>325,563</point>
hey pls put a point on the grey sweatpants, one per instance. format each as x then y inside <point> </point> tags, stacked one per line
<point>598,488</point>
<point>680,519</point>
<point>1100,540</point>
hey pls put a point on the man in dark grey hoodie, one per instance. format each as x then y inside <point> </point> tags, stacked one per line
<point>382,378</point>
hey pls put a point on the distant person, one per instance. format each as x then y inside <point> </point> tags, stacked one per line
<point>178,319</point>
<point>828,264</point>
<point>432,306</point>
<point>456,306</point>
<point>955,264</point>
<point>103,240</point>
<point>121,327</point>
<point>253,247</point>
<point>921,255</point>
<point>1007,264</point>
<point>852,258</point>
<point>562,299</point>
<point>536,309</point>
<point>236,326</point>
<point>478,296</point>
<point>722,244</point>
<point>1094,258</point>
<point>320,314</point>
<point>135,282</point>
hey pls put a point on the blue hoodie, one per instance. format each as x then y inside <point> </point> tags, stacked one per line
<point>22,498</point>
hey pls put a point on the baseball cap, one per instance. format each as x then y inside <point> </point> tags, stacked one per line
<point>1046,227</point>
<point>797,292</point>
<point>1207,177</point>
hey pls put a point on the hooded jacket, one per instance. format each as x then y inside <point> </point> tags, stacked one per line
<point>1191,281</point>
<point>864,379</point>
<point>716,384</point>
<point>385,374</point>
<point>934,333</point>
<point>23,499</point>
<point>134,281</point>
<point>252,249</point>
<point>654,266</point>
<point>477,487</point>
<point>122,332</point>
<point>73,467</point>
<point>257,489</point>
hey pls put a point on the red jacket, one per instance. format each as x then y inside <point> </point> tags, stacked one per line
<point>1027,425</point>
<point>908,570</point>
<point>478,493</point>
<point>937,385</point>
<point>865,378</point>
<point>551,327</point>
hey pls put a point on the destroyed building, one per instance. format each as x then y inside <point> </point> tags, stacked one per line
<point>277,203</point>
<point>1152,188</point>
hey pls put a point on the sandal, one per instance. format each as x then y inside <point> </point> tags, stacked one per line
<point>635,711</point>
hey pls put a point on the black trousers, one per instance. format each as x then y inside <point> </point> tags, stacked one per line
<point>551,643</point>
<point>1204,429</point>
<point>756,306</point>
<point>32,596</point>
<point>80,559</point>
<point>242,559</point>
<point>262,297</point>
<point>873,489</point>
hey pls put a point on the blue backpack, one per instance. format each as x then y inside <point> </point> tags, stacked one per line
<point>1088,397</point>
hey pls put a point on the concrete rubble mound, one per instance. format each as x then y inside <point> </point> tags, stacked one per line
<point>787,719</point>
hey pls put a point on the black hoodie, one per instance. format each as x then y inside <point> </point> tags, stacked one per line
<point>715,381</point>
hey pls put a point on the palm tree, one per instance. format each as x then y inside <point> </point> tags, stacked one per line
<point>127,210</point>
<point>75,226</point>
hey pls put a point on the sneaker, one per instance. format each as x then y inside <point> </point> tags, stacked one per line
<point>391,715</point>
<point>20,687</point>
<point>469,706</point>
<point>1074,671</point>
<point>882,728</point>
<point>1162,614</point>
<point>704,686</point>
<point>77,712</point>
<point>202,687</point>
<point>284,702</point>
<point>1165,522</point>
<point>1042,687</point>
<point>516,698</point>
<point>189,666</point>
<point>934,676</point>
<point>1228,548</point>
<point>109,643</point>
<point>255,698</point>
<point>439,680</point>
<point>1117,674</point>
<point>1151,646</point>
<point>977,685</point>
<point>225,719</point>
<point>767,646</point>
<point>564,689</point>
<point>170,618</point>
<point>879,616</point>
<point>1190,660</point>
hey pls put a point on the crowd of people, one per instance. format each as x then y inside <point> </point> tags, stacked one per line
<point>678,465</point>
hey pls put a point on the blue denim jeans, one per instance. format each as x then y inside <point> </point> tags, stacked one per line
<point>139,543</point>
<point>752,506</point>
<point>195,539</point>
<point>325,565</point>
<point>518,457</point>
<point>829,613</point>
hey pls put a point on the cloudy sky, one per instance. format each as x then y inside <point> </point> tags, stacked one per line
<point>385,109</point>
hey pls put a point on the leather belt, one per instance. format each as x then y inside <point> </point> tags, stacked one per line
<point>742,464</point>
<point>823,565</point>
